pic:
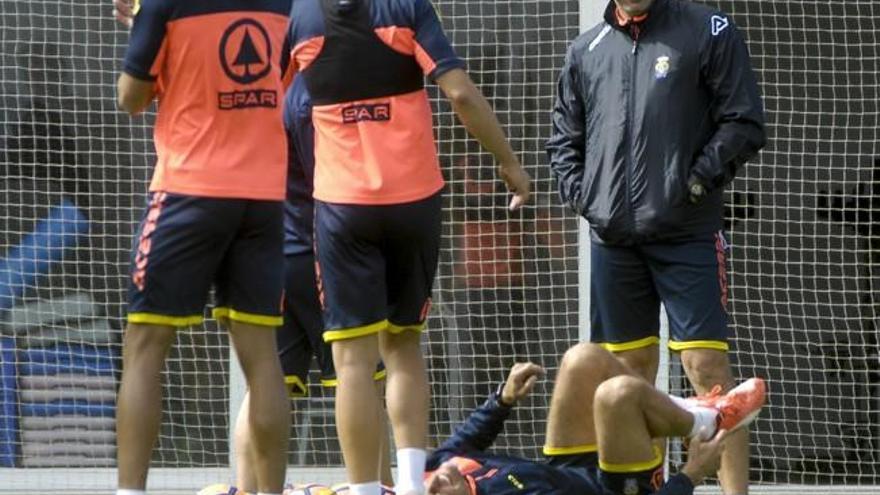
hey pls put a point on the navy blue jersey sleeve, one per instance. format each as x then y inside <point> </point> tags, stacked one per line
<point>430,38</point>
<point>480,429</point>
<point>737,108</point>
<point>144,54</point>
<point>677,485</point>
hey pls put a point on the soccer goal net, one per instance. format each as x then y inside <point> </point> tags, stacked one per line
<point>802,220</point>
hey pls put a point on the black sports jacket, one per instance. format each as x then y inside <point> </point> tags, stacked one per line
<point>645,108</point>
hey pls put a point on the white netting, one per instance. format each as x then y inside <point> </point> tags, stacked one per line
<point>74,172</point>
<point>803,223</point>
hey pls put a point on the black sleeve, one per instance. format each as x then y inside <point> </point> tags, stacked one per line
<point>145,54</point>
<point>566,145</point>
<point>736,109</point>
<point>676,485</point>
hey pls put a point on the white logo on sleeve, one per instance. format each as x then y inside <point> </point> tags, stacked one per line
<point>718,24</point>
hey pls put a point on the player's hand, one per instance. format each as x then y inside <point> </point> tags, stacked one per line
<point>520,381</point>
<point>123,11</point>
<point>696,191</point>
<point>518,182</point>
<point>704,457</point>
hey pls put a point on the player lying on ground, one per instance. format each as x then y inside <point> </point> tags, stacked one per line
<point>592,388</point>
<point>601,422</point>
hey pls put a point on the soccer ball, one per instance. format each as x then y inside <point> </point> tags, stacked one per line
<point>343,489</point>
<point>221,489</point>
<point>308,489</point>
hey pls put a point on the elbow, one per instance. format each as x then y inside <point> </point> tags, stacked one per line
<point>463,97</point>
<point>128,104</point>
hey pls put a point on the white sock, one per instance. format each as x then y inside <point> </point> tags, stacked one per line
<point>410,471</point>
<point>369,488</point>
<point>264,493</point>
<point>704,418</point>
<point>681,402</point>
<point>125,491</point>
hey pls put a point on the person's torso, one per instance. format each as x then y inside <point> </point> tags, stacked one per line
<point>647,113</point>
<point>299,205</point>
<point>374,141</point>
<point>489,474</point>
<point>218,131</point>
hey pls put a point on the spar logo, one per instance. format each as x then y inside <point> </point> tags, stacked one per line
<point>246,55</point>
<point>365,112</point>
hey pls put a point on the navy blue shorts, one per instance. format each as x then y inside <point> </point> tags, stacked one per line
<point>186,244</point>
<point>299,338</point>
<point>628,284</point>
<point>376,265</point>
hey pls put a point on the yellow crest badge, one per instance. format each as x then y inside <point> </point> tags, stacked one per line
<point>661,67</point>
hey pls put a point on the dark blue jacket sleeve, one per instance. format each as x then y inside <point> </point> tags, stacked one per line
<point>566,145</point>
<point>142,58</point>
<point>480,429</point>
<point>676,485</point>
<point>737,109</point>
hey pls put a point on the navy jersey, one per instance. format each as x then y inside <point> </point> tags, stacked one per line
<point>299,207</point>
<point>495,474</point>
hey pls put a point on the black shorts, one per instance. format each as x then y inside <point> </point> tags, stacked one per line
<point>186,244</point>
<point>299,338</point>
<point>628,283</point>
<point>376,265</point>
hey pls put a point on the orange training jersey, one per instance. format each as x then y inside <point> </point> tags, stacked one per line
<point>364,63</point>
<point>218,68</point>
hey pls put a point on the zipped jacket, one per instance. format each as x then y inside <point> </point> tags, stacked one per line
<point>643,110</point>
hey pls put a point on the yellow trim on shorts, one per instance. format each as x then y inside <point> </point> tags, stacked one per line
<point>172,321</point>
<point>396,329</point>
<point>241,316</point>
<point>631,345</point>
<point>334,382</point>
<point>577,449</point>
<point>295,386</point>
<point>717,345</point>
<point>633,467</point>
<point>355,332</point>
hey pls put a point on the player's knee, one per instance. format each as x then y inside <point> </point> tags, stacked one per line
<point>707,368</point>
<point>399,346</point>
<point>585,358</point>
<point>356,356</point>
<point>617,392</point>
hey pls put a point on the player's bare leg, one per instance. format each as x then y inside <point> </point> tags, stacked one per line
<point>139,405</point>
<point>644,361</point>
<point>245,479</point>
<point>570,420</point>
<point>358,420</point>
<point>270,429</point>
<point>706,368</point>
<point>407,396</point>
<point>630,412</point>
<point>384,449</point>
